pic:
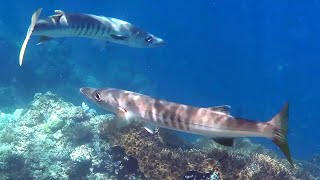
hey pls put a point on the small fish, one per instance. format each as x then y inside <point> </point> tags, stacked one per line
<point>63,24</point>
<point>214,122</point>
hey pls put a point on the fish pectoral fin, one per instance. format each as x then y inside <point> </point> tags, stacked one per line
<point>122,113</point>
<point>119,37</point>
<point>224,141</point>
<point>122,118</point>
<point>150,127</point>
<point>222,108</point>
<point>43,39</point>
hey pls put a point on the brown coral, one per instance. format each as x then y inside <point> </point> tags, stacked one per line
<point>155,160</point>
<point>262,166</point>
<point>158,161</point>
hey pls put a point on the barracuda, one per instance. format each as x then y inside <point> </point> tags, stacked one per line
<point>63,24</point>
<point>214,122</point>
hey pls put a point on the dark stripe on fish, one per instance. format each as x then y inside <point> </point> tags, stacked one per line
<point>102,30</point>
<point>85,29</point>
<point>97,29</point>
<point>166,118</point>
<point>180,123</point>
<point>173,115</point>
<point>79,30</point>
<point>189,112</point>
<point>81,19</point>
<point>86,25</point>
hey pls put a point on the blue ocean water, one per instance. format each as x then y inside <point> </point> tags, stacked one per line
<point>252,55</point>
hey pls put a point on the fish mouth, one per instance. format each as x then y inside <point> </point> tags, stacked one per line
<point>87,91</point>
<point>158,42</point>
<point>83,90</point>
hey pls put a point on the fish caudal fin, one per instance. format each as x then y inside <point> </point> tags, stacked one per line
<point>34,20</point>
<point>280,123</point>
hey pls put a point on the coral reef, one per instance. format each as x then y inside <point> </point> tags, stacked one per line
<point>158,161</point>
<point>78,133</point>
<point>170,138</point>
<point>35,136</point>
<point>155,160</point>
<point>53,139</point>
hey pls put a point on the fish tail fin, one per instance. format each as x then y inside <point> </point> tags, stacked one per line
<point>34,19</point>
<point>280,124</point>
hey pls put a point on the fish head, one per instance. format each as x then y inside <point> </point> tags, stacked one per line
<point>140,38</point>
<point>102,97</point>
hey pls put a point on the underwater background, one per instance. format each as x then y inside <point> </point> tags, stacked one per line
<point>251,55</point>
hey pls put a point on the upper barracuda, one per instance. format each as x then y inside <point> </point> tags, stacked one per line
<point>212,122</point>
<point>114,30</point>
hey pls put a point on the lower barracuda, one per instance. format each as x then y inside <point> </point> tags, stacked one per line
<point>215,122</point>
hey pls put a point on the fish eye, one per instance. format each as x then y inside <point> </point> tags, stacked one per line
<point>149,39</point>
<point>97,96</point>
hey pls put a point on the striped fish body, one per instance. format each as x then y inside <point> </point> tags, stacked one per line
<point>210,122</point>
<point>89,26</point>
<point>97,27</point>
<point>80,25</point>
<point>195,120</point>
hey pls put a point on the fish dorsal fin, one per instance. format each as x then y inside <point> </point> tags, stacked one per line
<point>223,108</point>
<point>58,12</point>
<point>224,141</point>
<point>43,39</point>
